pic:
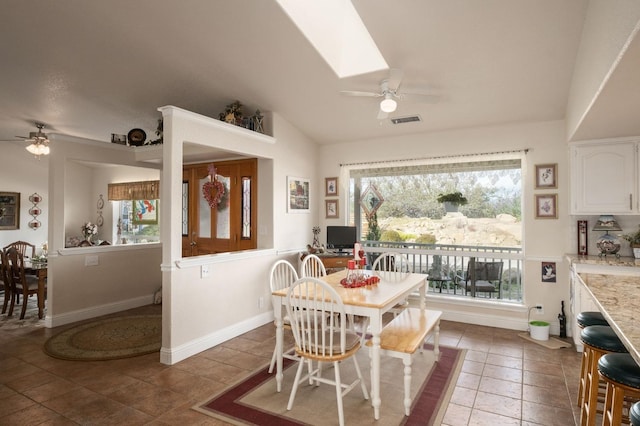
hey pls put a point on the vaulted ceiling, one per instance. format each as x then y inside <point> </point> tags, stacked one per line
<point>90,69</point>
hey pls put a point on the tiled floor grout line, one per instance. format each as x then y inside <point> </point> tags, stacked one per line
<point>143,391</point>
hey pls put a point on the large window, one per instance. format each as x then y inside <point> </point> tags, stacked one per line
<point>129,227</point>
<point>400,207</point>
<point>401,203</point>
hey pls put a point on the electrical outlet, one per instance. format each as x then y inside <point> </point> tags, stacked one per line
<point>204,271</point>
<point>91,260</point>
<point>260,302</point>
<point>540,309</point>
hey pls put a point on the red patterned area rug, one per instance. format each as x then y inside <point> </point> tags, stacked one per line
<point>254,400</point>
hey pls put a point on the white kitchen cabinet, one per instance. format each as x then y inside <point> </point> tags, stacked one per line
<point>604,177</point>
<point>581,301</point>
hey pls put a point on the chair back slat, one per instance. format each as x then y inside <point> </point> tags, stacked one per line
<point>391,266</point>
<point>312,266</point>
<point>318,319</point>
<point>27,250</point>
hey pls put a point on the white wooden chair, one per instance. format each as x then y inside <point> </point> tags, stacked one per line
<point>392,267</point>
<point>312,266</point>
<point>282,275</point>
<point>318,322</point>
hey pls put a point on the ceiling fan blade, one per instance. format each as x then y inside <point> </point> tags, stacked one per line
<point>419,97</point>
<point>395,78</point>
<point>357,93</point>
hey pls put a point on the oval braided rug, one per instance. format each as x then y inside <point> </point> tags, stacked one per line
<point>111,338</point>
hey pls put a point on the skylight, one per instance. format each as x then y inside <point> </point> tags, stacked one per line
<point>336,31</point>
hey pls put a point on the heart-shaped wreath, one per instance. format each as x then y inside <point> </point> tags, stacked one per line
<point>214,190</point>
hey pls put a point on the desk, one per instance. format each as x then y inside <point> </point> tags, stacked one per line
<point>371,302</point>
<point>40,270</point>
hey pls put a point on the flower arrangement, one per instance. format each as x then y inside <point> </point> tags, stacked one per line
<point>89,230</point>
<point>634,239</point>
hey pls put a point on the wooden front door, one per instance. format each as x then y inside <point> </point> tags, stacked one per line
<point>230,224</point>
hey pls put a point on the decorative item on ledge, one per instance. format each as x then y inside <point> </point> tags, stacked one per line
<point>88,231</point>
<point>634,240</point>
<point>35,211</point>
<point>233,115</point>
<point>607,244</point>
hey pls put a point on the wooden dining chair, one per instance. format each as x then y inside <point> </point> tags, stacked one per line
<point>312,266</point>
<point>27,250</point>
<point>393,267</point>
<point>319,326</point>
<point>21,283</point>
<point>282,275</point>
<point>6,286</point>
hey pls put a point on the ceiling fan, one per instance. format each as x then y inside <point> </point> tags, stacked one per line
<point>390,92</point>
<point>39,141</point>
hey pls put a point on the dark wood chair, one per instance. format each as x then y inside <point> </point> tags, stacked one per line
<point>483,277</point>
<point>27,250</point>
<point>20,282</point>
<point>6,287</point>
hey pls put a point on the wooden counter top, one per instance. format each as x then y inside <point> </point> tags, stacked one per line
<point>618,298</point>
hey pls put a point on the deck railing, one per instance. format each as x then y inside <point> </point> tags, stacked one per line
<point>447,266</point>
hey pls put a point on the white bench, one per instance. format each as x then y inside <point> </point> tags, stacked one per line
<point>404,335</point>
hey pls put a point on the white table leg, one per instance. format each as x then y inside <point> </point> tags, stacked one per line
<point>376,328</point>
<point>279,348</point>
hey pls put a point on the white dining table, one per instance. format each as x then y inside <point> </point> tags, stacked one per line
<point>368,301</point>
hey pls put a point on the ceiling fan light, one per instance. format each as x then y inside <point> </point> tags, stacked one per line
<point>388,105</point>
<point>38,149</point>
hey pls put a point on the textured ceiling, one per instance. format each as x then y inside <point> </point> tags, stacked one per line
<point>89,69</point>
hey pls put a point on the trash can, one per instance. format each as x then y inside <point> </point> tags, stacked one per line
<point>539,330</point>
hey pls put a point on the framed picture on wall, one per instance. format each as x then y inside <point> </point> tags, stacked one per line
<point>546,176</point>
<point>331,209</point>
<point>9,210</point>
<point>298,194</point>
<point>145,212</point>
<point>549,272</point>
<point>331,187</point>
<point>546,206</point>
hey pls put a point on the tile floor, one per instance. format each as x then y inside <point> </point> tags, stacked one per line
<point>505,380</point>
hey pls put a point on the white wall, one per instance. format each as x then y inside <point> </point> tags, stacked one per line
<point>87,282</point>
<point>607,28</point>
<point>544,240</point>
<point>200,312</point>
<point>22,172</point>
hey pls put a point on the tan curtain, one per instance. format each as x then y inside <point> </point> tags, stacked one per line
<point>146,190</point>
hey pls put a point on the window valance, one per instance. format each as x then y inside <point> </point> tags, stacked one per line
<point>145,190</point>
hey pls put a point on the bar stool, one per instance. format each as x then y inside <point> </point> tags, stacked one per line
<point>598,340</point>
<point>621,374</point>
<point>634,414</point>
<point>586,319</point>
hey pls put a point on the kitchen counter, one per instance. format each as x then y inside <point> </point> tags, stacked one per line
<point>603,261</point>
<point>618,298</point>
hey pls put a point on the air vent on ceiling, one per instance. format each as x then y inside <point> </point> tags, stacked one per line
<point>409,119</point>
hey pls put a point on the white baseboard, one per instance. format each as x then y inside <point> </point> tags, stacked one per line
<point>509,323</point>
<point>174,355</point>
<point>96,311</point>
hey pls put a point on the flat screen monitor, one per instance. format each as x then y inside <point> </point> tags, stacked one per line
<point>341,238</point>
